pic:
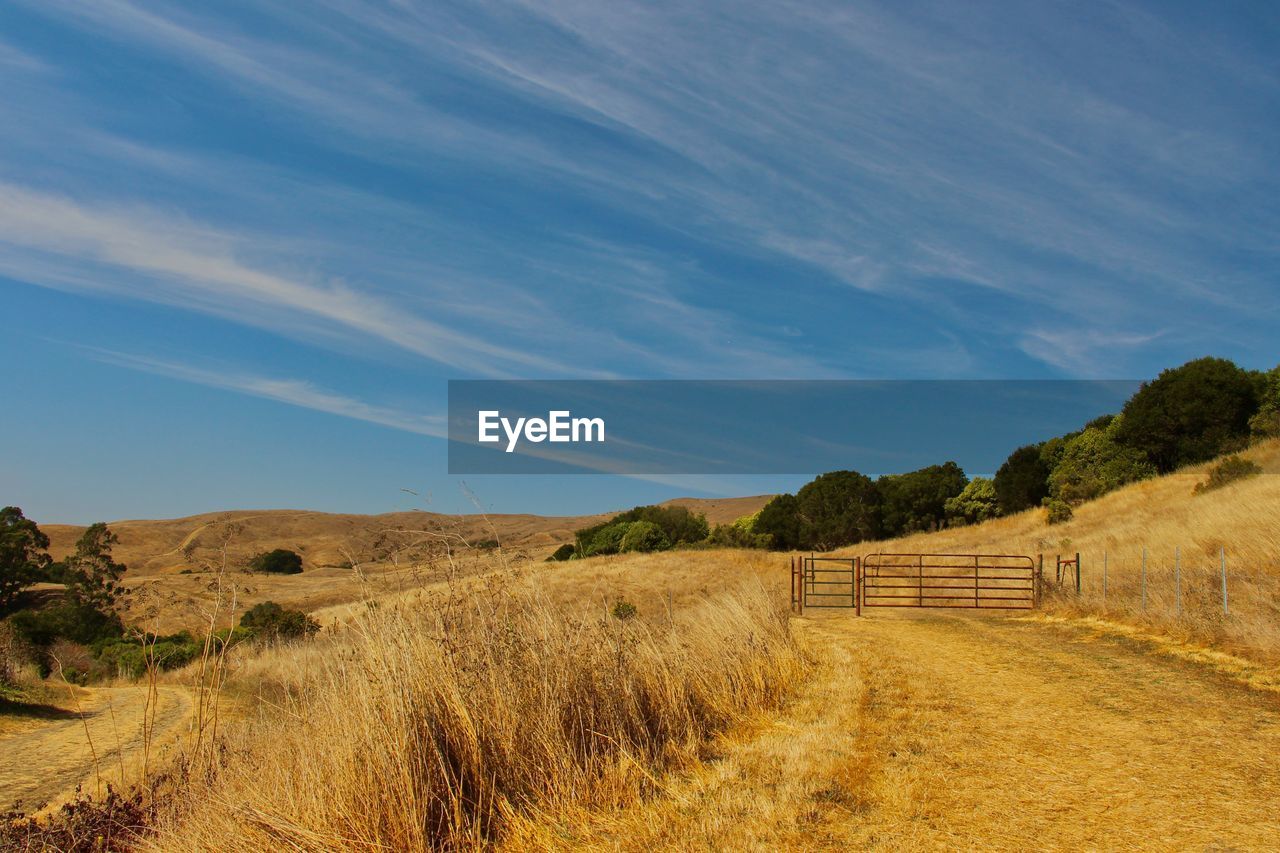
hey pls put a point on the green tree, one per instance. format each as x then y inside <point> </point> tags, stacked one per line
<point>1022,481</point>
<point>644,536</point>
<point>916,501</point>
<point>602,539</point>
<point>270,621</point>
<point>679,524</point>
<point>1190,413</point>
<point>91,575</point>
<point>974,505</point>
<point>23,556</point>
<point>838,508</point>
<point>1266,421</point>
<point>779,519</point>
<point>1094,463</point>
<point>281,561</point>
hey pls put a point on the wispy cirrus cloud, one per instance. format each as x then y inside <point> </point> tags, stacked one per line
<point>143,254</point>
<point>293,392</point>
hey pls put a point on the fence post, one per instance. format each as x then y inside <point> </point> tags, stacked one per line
<point>1222,561</point>
<point>1104,578</point>
<point>1177,578</point>
<point>1077,573</point>
<point>1038,584</point>
<point>1144,580</point>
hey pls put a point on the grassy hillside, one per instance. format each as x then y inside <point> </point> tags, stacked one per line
<point>327,540</point>
<point>1160,515</point>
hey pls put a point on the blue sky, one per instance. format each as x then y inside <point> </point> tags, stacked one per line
<point>244,245</point>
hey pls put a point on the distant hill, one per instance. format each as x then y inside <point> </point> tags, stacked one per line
<point>155,547</point>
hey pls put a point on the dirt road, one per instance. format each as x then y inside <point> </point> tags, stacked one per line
<point>927,730</point>
<point>48,758</point>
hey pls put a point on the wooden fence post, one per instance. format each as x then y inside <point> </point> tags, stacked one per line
<point>1077,573</point>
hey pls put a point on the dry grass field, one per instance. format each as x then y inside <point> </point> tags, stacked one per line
<point>509,703</point>
<point>172,563</point>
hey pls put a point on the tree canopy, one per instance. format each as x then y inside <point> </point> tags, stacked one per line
<point>1190,413</point>
<point>23,556</point>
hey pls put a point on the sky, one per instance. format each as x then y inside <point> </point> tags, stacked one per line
<point>244,245</point>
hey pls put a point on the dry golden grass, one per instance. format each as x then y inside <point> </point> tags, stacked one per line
<point>446,721</point>
<point>1158,515</point>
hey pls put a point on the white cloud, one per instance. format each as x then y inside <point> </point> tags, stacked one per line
<point>294,392</point>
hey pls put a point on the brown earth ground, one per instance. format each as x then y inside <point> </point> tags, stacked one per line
<point>91,738</point>
<point>933,730</point>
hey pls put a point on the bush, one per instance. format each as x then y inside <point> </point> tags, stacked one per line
<point>623,610</point>
<point>1093,463</point>
<point>644,536</point>
<point>1191,413</point>
<point>1229,470</point>
<point>677,523</point>
<point>564,552</point>
<point>281,561</point>
<point>270,621</point>
<point>736,536</point>
<point>129,656</point>
<point>974,505</point>
<point>605,540</point>
<point>1022,481</point>
<point>1057,511</point>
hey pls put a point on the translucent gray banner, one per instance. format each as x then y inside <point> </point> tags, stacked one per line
<point>765,427</point>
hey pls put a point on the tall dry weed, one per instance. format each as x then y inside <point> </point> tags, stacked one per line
<point>440,725</point>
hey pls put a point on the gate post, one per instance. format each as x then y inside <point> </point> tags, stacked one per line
<point>857,586</point>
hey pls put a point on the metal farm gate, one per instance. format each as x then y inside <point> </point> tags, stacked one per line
<point>973,581</point>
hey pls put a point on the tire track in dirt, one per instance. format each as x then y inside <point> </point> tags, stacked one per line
<point>930,731</point>
<point>45,763</point>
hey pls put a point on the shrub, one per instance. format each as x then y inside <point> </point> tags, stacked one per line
<point>605,540</point>
<point>1057,511</point>
<point>1190,413</point>
<point>1093,463</point>
<point>677,523</point>
<point>736,536</point>
<point>270,621</point>
<point>1229,470</point>
<point>623,610</point>
<point>974,505</point>
<point>281,561</point>
<point>644,536</point>
<point>564,552</point>
<point>1022,481</point>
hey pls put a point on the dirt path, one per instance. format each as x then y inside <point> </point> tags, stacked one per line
<point>929,730</point>
<point>46,760</point>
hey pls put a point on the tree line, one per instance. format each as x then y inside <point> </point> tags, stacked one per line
<point>75,623</point>
<point>1187,415</point>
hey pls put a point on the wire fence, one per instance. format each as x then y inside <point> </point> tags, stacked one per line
<point>1194,587</point>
